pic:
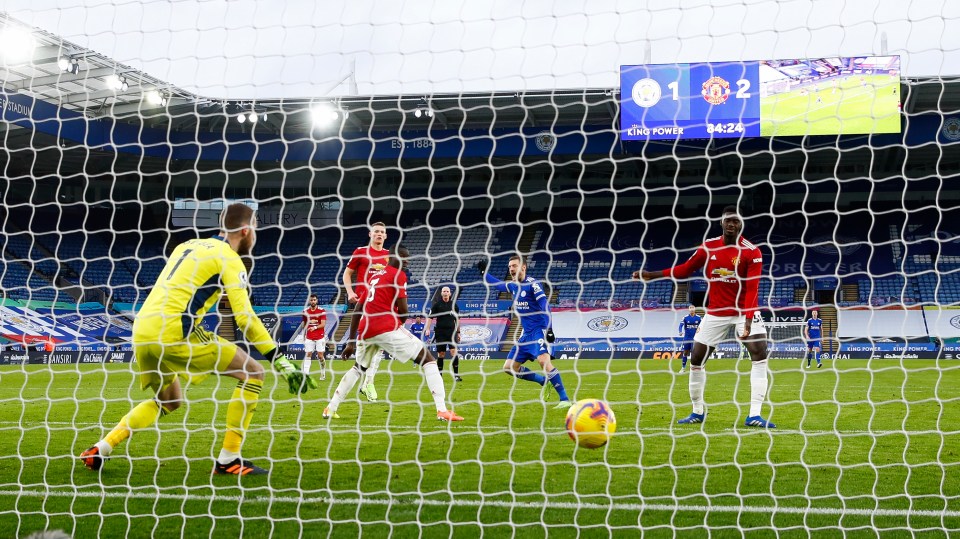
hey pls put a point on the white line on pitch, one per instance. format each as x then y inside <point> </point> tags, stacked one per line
<point>464,429</point>
<point>460,502</point>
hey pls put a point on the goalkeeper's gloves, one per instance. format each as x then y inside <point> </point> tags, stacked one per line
<point>550,336</point>
<point>297,381</point>
<point>482,265</point>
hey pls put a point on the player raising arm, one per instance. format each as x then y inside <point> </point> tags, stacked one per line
<point>380,329</point>
<point>530,302</point>
<point>169,342</point>
<point>812,332</point>
<point>732,267</point>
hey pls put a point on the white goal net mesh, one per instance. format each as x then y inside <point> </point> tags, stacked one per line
<point>474,135</point>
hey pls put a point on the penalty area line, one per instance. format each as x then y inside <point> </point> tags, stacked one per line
<point>480,504</point>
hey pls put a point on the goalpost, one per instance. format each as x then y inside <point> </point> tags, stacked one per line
<point>846,187</point>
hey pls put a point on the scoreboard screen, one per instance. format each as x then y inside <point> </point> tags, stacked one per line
<point>823,96</point>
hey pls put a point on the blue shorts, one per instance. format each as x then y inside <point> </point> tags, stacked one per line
<point>530,347</point>
<point>687,346</point>
<point>813,344</point>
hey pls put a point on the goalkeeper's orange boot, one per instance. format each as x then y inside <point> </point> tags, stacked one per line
<point>91,458</point>
<point>448,416</point>
<point>238,467</point>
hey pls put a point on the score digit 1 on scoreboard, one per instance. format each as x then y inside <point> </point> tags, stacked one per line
<point>690,101</point>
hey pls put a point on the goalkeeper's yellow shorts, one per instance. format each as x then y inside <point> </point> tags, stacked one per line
<point>203,354</point>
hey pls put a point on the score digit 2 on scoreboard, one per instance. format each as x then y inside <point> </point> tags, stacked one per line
<point>689,101</point>
<point>768,98</point>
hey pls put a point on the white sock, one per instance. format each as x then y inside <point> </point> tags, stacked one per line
<point>758,386</point>
<point>435,383</point>
<point>371,373</point>
<point>105,448</point>
<point>344,387</point>
<point>698,381</point>
<point>226,457</point>
<point>306,364</point>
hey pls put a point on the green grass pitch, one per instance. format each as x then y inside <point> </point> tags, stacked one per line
<point>850,110</point>
<point>864,448</point>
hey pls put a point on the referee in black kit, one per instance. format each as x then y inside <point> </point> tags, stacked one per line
<point>445,316</point>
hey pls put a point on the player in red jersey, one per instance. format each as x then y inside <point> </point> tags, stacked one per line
<point>732,266</point>
<point>363,262</point>
<point>314,339</point>
<point>381,329</point>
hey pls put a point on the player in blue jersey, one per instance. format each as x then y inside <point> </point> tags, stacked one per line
<point>532,307</point>
<point>417,327</point>
<point>688,328</point>
<point>813,332</point>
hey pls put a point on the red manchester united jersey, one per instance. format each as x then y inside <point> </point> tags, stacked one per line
<point>364,262</point>
<point>732,272</point>
<point>314,320</point>
<point>380,307</point>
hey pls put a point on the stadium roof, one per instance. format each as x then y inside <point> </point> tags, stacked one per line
<point>93,90</point>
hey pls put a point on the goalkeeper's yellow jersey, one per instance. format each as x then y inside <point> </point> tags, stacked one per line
<point>195,277</point>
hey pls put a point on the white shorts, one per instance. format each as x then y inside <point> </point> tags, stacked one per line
<point>713,329</point>
<point>402,345</point>
<point>314,346</point>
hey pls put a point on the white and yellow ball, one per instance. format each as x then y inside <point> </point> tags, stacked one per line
<point>591,423</point>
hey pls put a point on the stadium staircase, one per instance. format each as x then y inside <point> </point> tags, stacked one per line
<point>681,295</point>
<point>850,293</point>
<point>342,326</point>
<point>513,332</point>
<point>228,326</point>
<point>828,313</point>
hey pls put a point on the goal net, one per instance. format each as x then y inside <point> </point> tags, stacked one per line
<point>477,136</point>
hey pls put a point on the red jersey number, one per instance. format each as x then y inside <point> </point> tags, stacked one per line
<point>380,308</point>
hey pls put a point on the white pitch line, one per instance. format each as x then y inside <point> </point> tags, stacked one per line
<point>460,502</point>
<point>467,429</point>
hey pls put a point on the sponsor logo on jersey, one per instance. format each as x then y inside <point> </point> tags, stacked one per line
<point>608,324</point>
<point>716,90</point>
<point>723,272</point>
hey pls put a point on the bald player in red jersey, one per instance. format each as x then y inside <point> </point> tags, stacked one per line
<point>363,262</point>
<point>381,329</point>
<point>732,266</point>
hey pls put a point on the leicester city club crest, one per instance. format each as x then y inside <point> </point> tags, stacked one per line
<point>545,141</point>
<point>646,93</point>
<point>608,324</point>
<point>955,322</point>
<point>716,90</point>
<point>951,129</point>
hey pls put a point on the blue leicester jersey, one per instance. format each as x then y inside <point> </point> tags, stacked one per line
<point>689,326</point>
<point>813,328</point>
<point>529,300</point>
<point>417,329</point>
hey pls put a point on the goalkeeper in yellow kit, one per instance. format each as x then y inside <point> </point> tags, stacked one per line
<point>170,345</point>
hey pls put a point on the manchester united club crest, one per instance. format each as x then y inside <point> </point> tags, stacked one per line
<point>716,90</point>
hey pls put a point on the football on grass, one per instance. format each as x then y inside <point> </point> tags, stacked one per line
<point>591,423</point>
